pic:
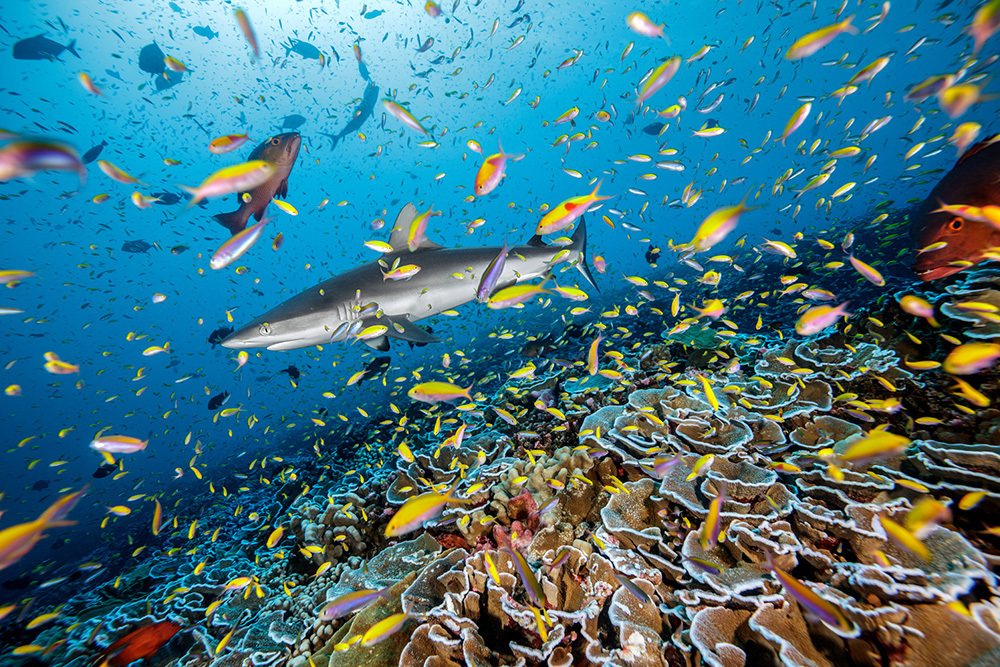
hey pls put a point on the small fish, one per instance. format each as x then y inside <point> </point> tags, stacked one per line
<point>235,246</point>
<point>418,510</point>
<point>712,527</point>
<point>514,295</point>
<point>971,358</point>
<point>636,592</point>
<point>643,25</point>
<point>876,444</point>
<point>383,629</point>
<point>563,215</point>
<point>829,613</point>
<point>869,273</point>
<point>717,226</point>
<point>656,78</point>
<point>219,335</point>
<point>534,589</point>
<point>118,444</point>
<point>88,83</point>
<point>492,275</point>
<point>349,603</point>
<point>118,174</point>
<point>17,540</point>
<point>809,44</point>
<point>220,399</point>
<point>244,23</point>
<point>795,122</point>
<point>226,143</point>
<point>491,172</point>
<point>905,538</point>
<point>239,177</point>
<point>22,159</point>
<point>403,116</point>
<point>436,392</point>
<point>819,318</point>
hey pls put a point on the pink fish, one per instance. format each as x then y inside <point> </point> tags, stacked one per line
<point>16,541</point>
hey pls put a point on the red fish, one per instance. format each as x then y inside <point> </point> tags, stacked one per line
<point>280,150</point>
<point>973,181</point>
<point>139,644</point>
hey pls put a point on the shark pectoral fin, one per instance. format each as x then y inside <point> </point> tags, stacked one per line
<point>381,343</point>
<point>406,330</point>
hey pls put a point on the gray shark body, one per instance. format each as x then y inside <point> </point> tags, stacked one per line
<point>340,308</point>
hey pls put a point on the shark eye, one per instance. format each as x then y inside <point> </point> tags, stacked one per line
<point>275,141</point>
<point>264,330</point>
<point>955,224</point>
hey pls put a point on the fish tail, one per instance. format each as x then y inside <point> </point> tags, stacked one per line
<point>579,244</point>
<point>53,516</point>
<point>234,221</point>
<point>71,47</point>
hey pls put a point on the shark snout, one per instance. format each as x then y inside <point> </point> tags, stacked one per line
<point>241,339</point>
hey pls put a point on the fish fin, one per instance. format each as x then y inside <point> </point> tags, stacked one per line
<point>403,329</point>
<point>537,242</point>
<point>259,215</point>
<point>71,47</point>
<point>399,237</point>
<point>283,189</point>
<point>579,239</point>
<point>975,148</point>
<point>334,138</point>
<point>381,343</point>
<point>401,229</point>
<point>233,221</point>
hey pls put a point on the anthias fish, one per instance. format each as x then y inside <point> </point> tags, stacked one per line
<point>280,150</point>
<point>974,181</point>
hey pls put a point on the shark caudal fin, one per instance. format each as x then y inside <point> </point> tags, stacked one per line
<point>71,47</point>
<point>233,221</point>
<point>579,239</point>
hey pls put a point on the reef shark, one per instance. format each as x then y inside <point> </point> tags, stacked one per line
<point>362,113</point>
<point>345,306</point>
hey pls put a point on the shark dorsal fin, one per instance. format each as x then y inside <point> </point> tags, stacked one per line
<point>400,232</point>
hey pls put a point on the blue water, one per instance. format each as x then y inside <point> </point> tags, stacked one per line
<point>88,296</point>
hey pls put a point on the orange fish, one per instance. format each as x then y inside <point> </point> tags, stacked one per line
<point>971,182</point>
<point>139,644</point>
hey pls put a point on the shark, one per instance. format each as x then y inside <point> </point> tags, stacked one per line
<point>362,113</point>
<point>361,304</point>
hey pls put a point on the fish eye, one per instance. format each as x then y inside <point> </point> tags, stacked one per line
<point>264,330</point>
<point>955,224</point>
<point>275,141</point>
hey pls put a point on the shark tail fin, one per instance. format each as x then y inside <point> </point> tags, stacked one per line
<point>232,221</point>
<point>71,47</point>
<point>579,244</point>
